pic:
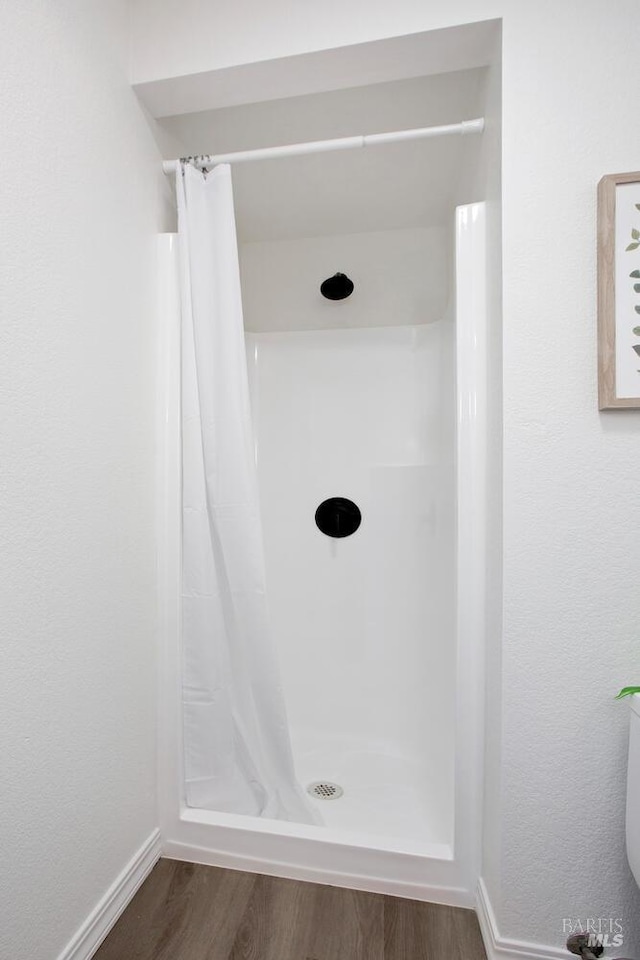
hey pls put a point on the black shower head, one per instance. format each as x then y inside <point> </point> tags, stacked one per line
<point>337,287</point>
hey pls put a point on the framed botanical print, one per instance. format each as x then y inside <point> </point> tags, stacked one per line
<point>619,291</point>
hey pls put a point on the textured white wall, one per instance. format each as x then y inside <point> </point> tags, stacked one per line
<point>571,549</point>
<point>401,277</point>
<point>80,202</point>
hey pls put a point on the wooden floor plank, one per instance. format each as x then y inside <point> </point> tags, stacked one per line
<point>429,931</point>
<point>288,920</point>
<point>467,935</point>
<point>345,925</point>
<point>406,933</point>
<point>185,911</point>
<point>196,915</point>
<point>274,925</point>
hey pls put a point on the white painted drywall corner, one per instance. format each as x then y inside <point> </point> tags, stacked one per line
<point>179,41</point>
<point>81,204</point>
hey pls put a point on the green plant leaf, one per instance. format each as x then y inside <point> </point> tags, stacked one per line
<point>627,692</point>
<point>636,287</point>
<point>636,330</point>
<point>633,246</point>
<point>635,234</point>
<point>635,274</point>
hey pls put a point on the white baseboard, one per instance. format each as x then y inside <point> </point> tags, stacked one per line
<point>88,938</point>
<point>93,931</point>
<point>502,948</point>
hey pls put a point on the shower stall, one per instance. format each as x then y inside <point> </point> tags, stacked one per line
<point>368,425</point>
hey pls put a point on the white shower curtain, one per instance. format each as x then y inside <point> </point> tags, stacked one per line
<point>237,751</point>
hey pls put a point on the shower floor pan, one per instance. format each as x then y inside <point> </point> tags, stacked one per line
<point>338,857</point>
<point>384,834</point>
<point>386,793</point>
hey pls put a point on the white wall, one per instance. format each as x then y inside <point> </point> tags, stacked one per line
<point>80,201</point>
<point>401,277</point>
<point>571,608</point>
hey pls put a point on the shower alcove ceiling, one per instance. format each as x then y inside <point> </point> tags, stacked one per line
<point>354,399</point>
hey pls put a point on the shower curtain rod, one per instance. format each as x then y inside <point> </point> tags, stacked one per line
<point>323,146</point>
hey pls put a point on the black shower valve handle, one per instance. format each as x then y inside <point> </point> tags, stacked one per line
<point>338,517</point>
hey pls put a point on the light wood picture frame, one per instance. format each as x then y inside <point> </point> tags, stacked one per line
<point>619,291</point>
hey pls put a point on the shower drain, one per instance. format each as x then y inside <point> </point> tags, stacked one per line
<point>324,790</point>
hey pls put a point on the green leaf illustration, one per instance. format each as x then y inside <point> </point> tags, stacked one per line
<point>635,274</point>
<point>627,692</point>
<point>635,234</point>
<point>633,246</point>
<point>636,287</point>
<point>636,330</point>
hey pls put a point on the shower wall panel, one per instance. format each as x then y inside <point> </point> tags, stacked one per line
<point>401,277</point>
<point>364,624</point>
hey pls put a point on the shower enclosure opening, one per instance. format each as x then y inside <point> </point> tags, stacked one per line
<point>358,408</point>
<point>363,278</point>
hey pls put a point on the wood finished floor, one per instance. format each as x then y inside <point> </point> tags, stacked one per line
<point>185,911</point>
